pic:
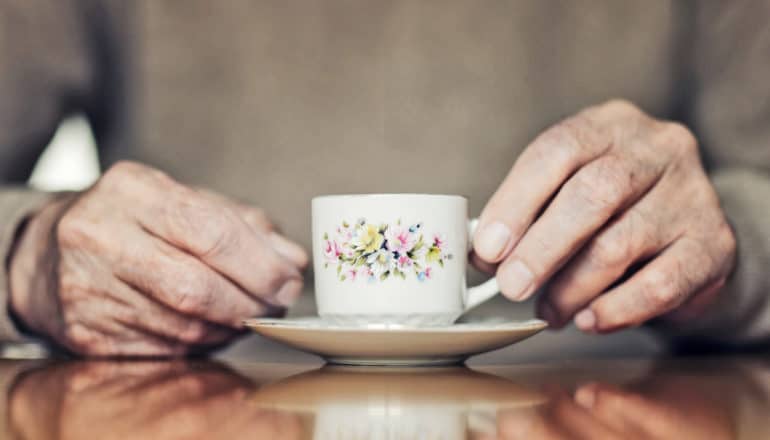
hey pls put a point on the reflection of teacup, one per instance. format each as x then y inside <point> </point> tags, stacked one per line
<point>397,403</point>
<point>393,259</point>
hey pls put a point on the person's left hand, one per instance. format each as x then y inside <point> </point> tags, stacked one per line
<point>615,207</point>
<point>142,400</point>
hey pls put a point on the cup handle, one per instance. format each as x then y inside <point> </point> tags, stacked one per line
<point>485,291</point>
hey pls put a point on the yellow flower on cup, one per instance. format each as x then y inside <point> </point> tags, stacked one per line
<point>433,255</point>
<point>368,238</point>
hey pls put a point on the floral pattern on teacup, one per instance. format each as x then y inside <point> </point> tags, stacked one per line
<point>376,252</point>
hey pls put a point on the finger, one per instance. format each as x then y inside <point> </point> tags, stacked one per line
<point>537,174</point>
<point>585,203</point>
<point>482,265</point>
<point>529,424</point>
<point>184,284</point>
<point>622,410</point>
<point>697,303</point>
<point>659,287</point>
<point>289,250</point>
<point>212,232</point>
<point>640,232</point>
<point>122,307</point>
<point>259,222</point>
<point>576,421</point>
<point>147,315</point>
<point>253,216</point>
<point>104,340</point>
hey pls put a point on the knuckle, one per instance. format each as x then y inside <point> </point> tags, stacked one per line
<point>603,185</point>
<point>566,142</point>
<point>73,230</point>
<point>70,289</point>
<point>662,289</point>
<point>271,278</point>
<point>192,332</point>
<point>256,217</point>
<point>123,169</point>
<point>192,291</point>
<point>677,137</point>
<point>209,229</point>
<point>118,175</point>
<point>219,237</point>
<point>610,250</point>
<point>725,238</point>
<point>559,142</point>
<point>80,339</point>
<point>620,106</point>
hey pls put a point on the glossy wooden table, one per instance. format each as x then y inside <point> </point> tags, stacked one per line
<point>698,398</point>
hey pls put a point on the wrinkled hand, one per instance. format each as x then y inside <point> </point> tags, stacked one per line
<point>603,411</point>
<point>141,400</point>
<point>615,209</point>
<point>142,265</point>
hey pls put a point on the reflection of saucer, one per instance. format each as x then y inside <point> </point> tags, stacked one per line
<point>397,345</point>
<point>455,387</point>
<point>349,402</point>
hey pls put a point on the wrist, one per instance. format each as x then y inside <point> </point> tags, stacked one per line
<point>31,268</point>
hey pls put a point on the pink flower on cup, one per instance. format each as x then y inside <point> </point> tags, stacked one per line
<point>399,239</point>
<point>332,251</point>
<point>404,262</point>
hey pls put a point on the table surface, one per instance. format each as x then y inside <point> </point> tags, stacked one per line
<point>680,398</point>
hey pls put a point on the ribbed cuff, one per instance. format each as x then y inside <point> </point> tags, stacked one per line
<point>16,206</point>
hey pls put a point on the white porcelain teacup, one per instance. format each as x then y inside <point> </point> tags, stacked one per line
<point>393,259</point>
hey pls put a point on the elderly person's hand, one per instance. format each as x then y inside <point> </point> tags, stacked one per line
<point>141,265</point>
<point>615,209</point>
<point>644,411</point>
<point>141,400</point>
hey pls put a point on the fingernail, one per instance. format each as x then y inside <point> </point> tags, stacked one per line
<point>586,396</point>
<point>516,280</point>
<point>289,293</point>
<point>547,313</point>
<point>492,240</point>
<point>586,320</point>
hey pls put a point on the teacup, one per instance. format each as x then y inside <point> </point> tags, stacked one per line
<point>393,259</point>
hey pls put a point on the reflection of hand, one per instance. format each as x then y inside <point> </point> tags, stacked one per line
<point>594,196</point>
<point>600,411</point>
<point>143,401</point>
<point>142,265</point>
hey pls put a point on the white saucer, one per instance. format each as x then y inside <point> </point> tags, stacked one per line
<point>395,345</point>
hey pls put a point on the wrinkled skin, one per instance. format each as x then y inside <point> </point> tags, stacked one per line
<point>141,400</point>
<point>668,408</point>
<point>141,265</point>
<point>614,210</point>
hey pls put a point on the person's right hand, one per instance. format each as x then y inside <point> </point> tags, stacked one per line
<point>674,407</point>
<point>141,265</point>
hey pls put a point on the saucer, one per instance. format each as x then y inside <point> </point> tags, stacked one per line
<point>401,346</point>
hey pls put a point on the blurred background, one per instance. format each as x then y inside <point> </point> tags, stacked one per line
<point>70,161</point>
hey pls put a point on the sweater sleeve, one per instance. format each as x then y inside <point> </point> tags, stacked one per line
<point>48,70</point>
<point>16,205</point>
<point>730,114</point>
